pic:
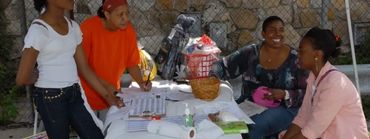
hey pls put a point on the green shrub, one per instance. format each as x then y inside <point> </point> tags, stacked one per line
<point>362,54</point>
<point>8,109</point>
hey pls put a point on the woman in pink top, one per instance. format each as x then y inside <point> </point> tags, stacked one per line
<point>331,107</point>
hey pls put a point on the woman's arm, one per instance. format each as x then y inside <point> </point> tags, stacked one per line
<point>26,67</point>
<point>108,86</point>
<point>292,131</point>
<point>293,97</point>
<point>296,95</point>
<point>234,64</point>
<point>299,136</point>
<point>136,75</point>
<point>92,79</point>
<point>333,92</point>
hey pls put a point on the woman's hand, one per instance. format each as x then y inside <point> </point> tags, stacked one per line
<point>292,131</point>
<point>146,86</point>
<point>136,75</point>
<point>299,136</point>
<point>275,94</point>
<point>114,101</point>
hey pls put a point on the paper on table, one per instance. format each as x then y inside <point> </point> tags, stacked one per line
<point>154,90</point>
<point>169,129</point>
<point>171,90</point>
<point>251,108</point>
<point>208,130</point>
<point>116,113</point>
<point>157,84</point>
<point>184,88</point>
<point>179,96</point>
<point>141,125</point>
<point>147,106</point>
<point>231,107</point>
<point>158,87</point>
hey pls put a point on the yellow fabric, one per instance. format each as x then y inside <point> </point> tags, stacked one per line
<point>147,66</point>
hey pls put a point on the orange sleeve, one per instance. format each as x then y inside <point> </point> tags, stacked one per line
<point>86,39</point>
<point>134,56</point>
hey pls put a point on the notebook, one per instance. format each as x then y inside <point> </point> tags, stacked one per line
<point>148,106</point>
<point>235,127</point>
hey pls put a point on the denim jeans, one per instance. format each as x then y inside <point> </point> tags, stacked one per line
<point>61,108</point>
<point>271,122</point>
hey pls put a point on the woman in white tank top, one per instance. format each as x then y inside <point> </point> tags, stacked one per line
<point>53,42</point>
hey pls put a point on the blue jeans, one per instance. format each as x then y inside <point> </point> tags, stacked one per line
<point>64,107</point>
<point>271,122</point>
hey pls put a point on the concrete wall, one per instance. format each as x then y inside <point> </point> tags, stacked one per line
<point>363,73</point>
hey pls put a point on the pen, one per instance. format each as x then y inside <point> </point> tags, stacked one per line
<point>147,81</point>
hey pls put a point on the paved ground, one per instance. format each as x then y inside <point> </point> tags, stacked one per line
<point>19,133</point>
<point>16,133</point>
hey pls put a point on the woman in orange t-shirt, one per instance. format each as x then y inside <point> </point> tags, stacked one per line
<point>110,46</point>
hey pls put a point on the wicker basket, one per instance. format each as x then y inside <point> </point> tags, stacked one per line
<point>205,88</point>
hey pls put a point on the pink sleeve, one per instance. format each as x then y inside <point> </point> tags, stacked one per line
<point>331,97</point>
<point>301,117</point>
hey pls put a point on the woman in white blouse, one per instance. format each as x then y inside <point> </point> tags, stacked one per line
<point>53,42</point>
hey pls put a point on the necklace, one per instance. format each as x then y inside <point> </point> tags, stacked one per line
<point>268,58</point>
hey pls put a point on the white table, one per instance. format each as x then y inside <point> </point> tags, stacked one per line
<point>116,125</point>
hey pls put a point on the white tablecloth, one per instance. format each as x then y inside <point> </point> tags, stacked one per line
<point>116,125</point>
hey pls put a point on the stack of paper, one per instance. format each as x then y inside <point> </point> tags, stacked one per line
<point>148,106</point>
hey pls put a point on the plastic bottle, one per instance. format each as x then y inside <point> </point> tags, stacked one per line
<point>189,122</point>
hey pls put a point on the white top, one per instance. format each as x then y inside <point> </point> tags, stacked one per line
<point>56,64</point>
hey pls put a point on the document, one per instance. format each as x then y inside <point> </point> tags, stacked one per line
<point>179,96</point>
<point>251,108</point>
<point>230,107</point>
<point>141,125</point>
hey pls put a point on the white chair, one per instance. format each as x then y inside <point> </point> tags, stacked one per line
<point>36,116</point>
<point>37,124</point>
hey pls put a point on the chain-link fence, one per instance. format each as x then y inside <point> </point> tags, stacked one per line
<point>230,23</point>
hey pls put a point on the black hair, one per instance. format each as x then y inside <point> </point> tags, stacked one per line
<point>270,20</point>
<point>40,4</point>
<point>100,12</point>
<point>324,40</point>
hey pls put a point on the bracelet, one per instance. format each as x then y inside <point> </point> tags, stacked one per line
<point>287,95</point>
